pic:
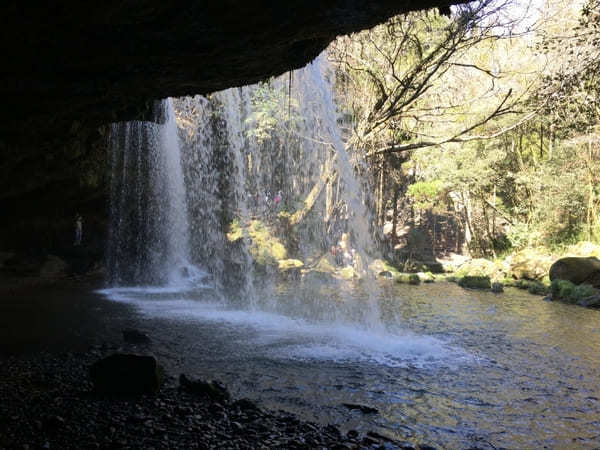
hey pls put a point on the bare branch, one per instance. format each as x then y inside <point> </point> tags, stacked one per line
<point>460,137</point>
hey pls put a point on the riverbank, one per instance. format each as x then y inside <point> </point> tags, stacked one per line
<point>48,402</point>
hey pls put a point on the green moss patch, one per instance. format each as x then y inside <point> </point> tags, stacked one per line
<point>475,282</point>
<point>571,293</point>
<point>408,278</point>
<point>265,247</point>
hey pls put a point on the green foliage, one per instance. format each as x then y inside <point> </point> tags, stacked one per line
<point>527,177</point>
<point>235,232</point>
<point>269,106</point>
<point>408,278</point>
<point>520,235</point>
<point>571,293</point>
<point>475,282</point>
<point>561,288</point>
<point>532,286</point>
<point>426,194</point>
<point>265,247</point>
<point>537,288</point>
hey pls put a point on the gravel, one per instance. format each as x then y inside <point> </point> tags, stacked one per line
<point>48,403</point>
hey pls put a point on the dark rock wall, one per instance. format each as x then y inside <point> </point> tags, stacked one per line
<point>70,67</point>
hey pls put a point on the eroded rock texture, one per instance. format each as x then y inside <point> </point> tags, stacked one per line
<point>70,67</point>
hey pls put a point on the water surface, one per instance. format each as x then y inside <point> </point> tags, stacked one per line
<point>445,365</point>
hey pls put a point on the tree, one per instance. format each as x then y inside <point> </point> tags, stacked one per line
<point>425,80</point>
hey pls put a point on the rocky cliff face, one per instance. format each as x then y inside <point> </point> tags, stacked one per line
<point>71,67</point>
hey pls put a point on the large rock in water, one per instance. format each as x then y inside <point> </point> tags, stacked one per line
<point>577,270</point>
<point>126,374</point>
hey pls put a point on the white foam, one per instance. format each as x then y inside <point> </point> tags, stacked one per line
<point>284,337</point>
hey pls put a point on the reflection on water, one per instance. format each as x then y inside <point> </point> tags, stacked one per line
<point>458,368</point>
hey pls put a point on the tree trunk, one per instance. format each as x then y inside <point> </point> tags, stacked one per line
<point>467,218</point>
<point>395,217</point>
<point>488,232</point>
<point>327,175</point>
<point>380,202</point>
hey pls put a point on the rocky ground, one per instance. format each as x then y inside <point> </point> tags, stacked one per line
<point>49,402</point>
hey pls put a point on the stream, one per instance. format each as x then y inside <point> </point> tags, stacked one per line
<point>447,366</point>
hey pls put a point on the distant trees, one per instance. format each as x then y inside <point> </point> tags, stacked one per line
<point>481,117</point>
<point>420,79</point>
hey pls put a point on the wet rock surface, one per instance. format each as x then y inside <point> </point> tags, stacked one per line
<point>128,374</point>
<point>48,402</point>
<point>106,63</point>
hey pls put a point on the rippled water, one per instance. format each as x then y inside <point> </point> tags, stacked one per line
<point>447,366</point>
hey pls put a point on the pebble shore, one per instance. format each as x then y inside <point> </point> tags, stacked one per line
<point>48,403</point>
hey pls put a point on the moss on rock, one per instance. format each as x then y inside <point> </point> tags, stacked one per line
<point>481,268</point>
<point>288,264</point>
<point>265,247</point>
<point>383,269</point>
<point>426,277</point>
<point>529,264</point>
<point>325,265</point>
<point>408,278</point>
<point>347,273</point>
<point>475,282</point>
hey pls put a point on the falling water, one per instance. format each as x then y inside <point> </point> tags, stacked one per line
<point>149,240</point>
<point>316,93</point>
<point>179,187</point>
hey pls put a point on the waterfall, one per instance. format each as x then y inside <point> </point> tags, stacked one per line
<point>149,233</point>
<point>199,190</point>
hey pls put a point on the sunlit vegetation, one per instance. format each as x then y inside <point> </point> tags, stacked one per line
<point>475,133</point>
<point>489,116</point>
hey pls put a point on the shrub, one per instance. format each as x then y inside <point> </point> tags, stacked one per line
<point>571,293</point>
<point>561,288</point>
<point>583,291</point>
<point>537,288</point>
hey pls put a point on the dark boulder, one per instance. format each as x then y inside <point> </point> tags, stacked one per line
<point>126,374</point>
<point>211,389</point>
<point>577,270</point>
<point>386,274</point>
<point>593,301</point>
<point>497,287</point>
